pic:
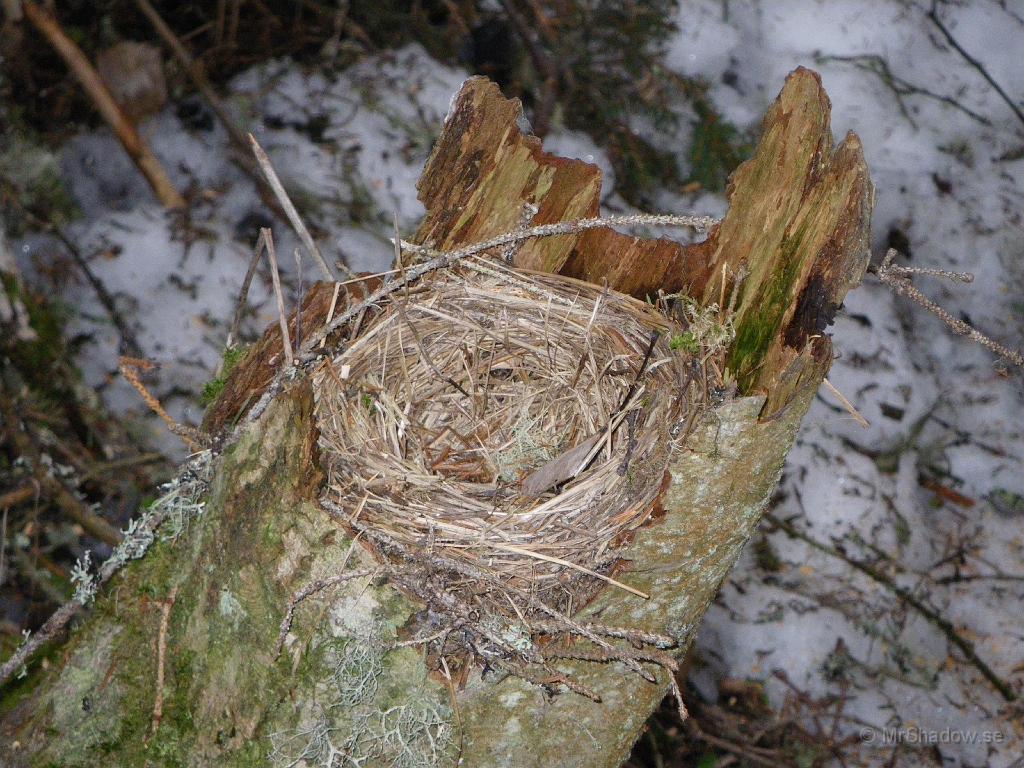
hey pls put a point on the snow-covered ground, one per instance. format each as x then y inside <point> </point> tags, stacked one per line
<point>941,410</point>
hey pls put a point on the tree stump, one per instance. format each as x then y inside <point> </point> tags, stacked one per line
<point>176,663</point>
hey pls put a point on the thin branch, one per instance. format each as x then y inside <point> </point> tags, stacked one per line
<point>895,278</point>
<point>104,102</point>
<point>282,316</point>
<point>293,215</point>
<point>243,293</point>
<point>934,17</point>
<point>901,88</point>
<point>440,260</point>
<point>202,84</point>
<point>930,614</point>
<point>307,591</point>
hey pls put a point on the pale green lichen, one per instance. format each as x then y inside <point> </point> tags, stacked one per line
<point>231,608</point>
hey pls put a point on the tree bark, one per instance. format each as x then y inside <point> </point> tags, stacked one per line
<point>344,689</point>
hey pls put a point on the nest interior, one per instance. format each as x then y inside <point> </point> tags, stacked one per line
<point>496,435</point>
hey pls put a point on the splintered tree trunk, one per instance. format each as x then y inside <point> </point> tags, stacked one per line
<point>176,662</point>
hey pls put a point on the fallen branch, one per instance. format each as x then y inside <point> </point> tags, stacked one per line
<point>930,614</point>
<point>934,17</point>
<point>93,84</point>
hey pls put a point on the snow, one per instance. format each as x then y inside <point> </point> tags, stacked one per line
<point>354,143</point>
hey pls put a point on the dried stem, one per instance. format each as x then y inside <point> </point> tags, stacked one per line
<point>282,316</point>
<point>93,84</point>
<point>129,367</point>
<point>289,208</point>
<point>896,278</point>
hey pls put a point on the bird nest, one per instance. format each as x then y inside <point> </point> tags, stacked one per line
<point>501,434</point>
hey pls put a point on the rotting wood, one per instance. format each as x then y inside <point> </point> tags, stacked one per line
<point>262,537</point>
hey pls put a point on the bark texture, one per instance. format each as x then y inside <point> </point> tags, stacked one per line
<point>344,688</point>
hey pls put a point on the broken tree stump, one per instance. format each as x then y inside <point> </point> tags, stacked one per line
<point>346,687</point>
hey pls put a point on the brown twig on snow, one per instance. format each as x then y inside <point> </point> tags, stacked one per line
<point>896,278</point>
<point>93,84</point>
<point>203,85</point>
<point>129,368</point>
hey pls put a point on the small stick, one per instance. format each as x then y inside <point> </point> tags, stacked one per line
<point>307,591</point>
<point>440,260</point>
<point>298,301</point>
<point>243,294</point>
<point>161,653</point>
<point>282,316</point>
<point>129,368</point>
<point>104,102</point>
<point>890,275</point>
<point>846,404</point>
<point>293,215</point>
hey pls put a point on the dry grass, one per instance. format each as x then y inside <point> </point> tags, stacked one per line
<point>496,435</point>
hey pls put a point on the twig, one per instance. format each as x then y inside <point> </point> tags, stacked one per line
<point>282,316</point>
<point>440,260</point>
<point>934,17</point>
<point>298,298</point>
<point>243,293</point>
<point>895,278</point>
<point>943,625</point>
<point>104,102</point>
<point>68,503</point>
<point>293,216</point>
<point>846,404</point>
<point>128,341</point>
<point>161,652</point>
<point>129,368</point>
<point>307,591</point>
<point>879,66</point>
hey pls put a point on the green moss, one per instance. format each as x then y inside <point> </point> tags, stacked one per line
<point>212,389</point>
<point>686,342</point>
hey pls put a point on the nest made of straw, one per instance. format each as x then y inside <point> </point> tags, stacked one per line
<point>504,432</point>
